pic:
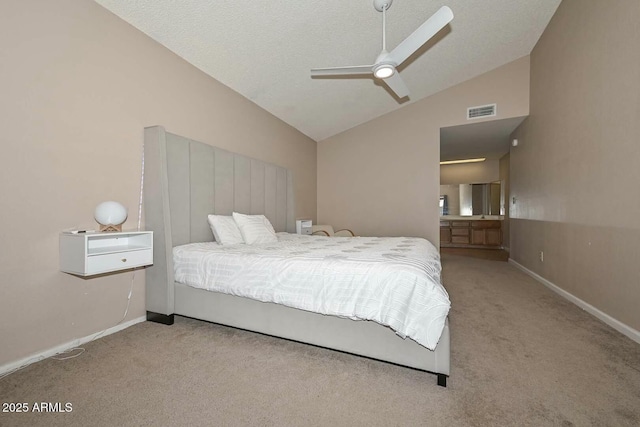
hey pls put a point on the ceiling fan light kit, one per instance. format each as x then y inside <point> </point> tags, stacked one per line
<point>383,71</point>
<point>385,65</point>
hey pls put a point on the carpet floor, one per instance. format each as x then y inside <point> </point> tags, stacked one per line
<point>521,355</point>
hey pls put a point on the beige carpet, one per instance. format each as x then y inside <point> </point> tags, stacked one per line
<point>521,356</point>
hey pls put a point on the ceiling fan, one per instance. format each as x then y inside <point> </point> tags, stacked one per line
<point>385,65</point>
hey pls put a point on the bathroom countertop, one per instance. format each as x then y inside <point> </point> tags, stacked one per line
<point>472,217</point>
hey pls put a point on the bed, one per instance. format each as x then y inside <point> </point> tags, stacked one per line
<point>186,180</point>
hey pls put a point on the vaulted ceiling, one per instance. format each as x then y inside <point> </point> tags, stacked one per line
<point>264,50</point>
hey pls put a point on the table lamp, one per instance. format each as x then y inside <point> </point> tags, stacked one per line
<point>110,215</point>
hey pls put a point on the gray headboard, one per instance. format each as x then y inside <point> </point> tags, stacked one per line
<point>186,180</point>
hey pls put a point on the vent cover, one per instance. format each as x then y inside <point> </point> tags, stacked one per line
<point>481,111</point>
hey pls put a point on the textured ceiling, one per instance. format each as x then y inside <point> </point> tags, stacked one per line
<point>485,139</point>
<point>265,49</point>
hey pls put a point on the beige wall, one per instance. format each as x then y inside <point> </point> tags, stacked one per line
<point>78,85</point>
<point>470,173</point>
<point>504,178</point>
<point>382,177</point>
<point>575,173</point>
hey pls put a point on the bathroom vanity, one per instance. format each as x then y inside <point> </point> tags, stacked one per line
<point>476,231</point>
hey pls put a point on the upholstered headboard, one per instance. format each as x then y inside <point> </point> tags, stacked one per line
<point>186,180</point>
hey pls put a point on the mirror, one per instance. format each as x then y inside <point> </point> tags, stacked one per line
<point>472,199</point>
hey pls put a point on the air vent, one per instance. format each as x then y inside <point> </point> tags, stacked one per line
<point>481,111</point>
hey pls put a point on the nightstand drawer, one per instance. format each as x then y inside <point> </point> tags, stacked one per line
<point>104,263</point>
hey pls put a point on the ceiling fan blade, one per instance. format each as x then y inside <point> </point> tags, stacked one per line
<point>428,29</point>
<point>341,71</point>
<point>396,84</point>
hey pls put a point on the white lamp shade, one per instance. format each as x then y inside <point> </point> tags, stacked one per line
<point>110,213</point>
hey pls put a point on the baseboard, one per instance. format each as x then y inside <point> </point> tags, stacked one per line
<point>71,344</point>
<point>614,323</point>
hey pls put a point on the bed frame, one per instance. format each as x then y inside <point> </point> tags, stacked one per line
<point>185,181</point>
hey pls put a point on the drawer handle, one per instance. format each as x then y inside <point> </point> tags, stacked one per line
<point>123,260</point>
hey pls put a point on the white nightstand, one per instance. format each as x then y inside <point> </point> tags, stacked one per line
<point>303,226</point>
<point>88,254</point>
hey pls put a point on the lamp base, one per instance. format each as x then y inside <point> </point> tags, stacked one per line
<point>110,228</point>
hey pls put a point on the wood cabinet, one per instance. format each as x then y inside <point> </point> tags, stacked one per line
<point>445,232</point>
<point>457,233</point>
<point>460,234</point>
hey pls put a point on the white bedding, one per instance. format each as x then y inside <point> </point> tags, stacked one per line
<point>394,281</point>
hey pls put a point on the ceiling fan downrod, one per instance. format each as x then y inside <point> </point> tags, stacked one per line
<point>384,28</point>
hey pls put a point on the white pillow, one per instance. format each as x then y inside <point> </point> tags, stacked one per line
<point>255,228</point>
<point>225,230</point>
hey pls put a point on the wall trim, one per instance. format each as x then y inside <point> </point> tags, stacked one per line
<point>26,361</point>
<point>614,323</point>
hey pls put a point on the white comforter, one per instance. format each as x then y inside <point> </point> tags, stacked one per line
<point>394,281</point>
